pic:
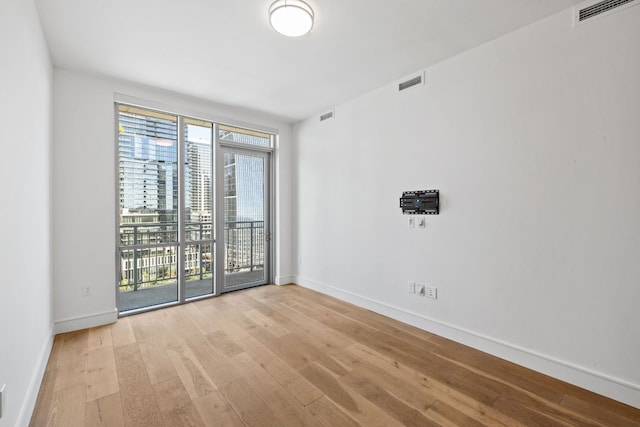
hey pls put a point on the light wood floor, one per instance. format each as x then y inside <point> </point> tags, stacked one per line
<point>273,356</point>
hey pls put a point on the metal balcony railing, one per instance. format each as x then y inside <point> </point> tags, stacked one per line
<point>149,251</point>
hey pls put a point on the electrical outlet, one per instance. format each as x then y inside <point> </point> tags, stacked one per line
<point>3,398</point>
<point>431,292</point>
<point>420,289</point>
<point>411,288</point>
<point>86,291</point>
<point>412,222</point>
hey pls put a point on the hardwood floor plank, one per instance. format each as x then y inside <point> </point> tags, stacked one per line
<point>44,404</point>
<point>175,404</point>
<point>364,411</point>
<point>311,352</point>
<point>383,399</point>
<point>68,407</point>
<point>221,341</point>
<point>395,328</point>
<point>304,325</point>
<point>439,419</point>
<point>266,306</point>
<point>416,397</point>
<point>216,411</point>
<point>228,323</point>
<point>182,328</point>
<point>157,362</point>
<point>100,337</point>
<point>283,404</point>
<point>102,377</point>
<point>72,362</point>
<point>526,407</point>
<point>530,416</point>
<point>208,308</point>
<point>147,327</point>
<point>139,405</point>
<point>193,375</point>
<point>442,413</point>
<point>121,332</point>
<point>56,352</point>
<point>301,389</point>
<point>104,412</point>
<point>498,369</point>
<point>290,355</point>
<point>602,409</point>
<point>249,406</point>
<point>214,363</point>
<point>205,323</point>
<point>331,414</point>
<point>269,324</point>
<point>325,301</point>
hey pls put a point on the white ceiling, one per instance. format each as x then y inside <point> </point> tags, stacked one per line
<point>225,51</point>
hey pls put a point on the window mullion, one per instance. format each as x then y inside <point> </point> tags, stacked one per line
<point>181,210</point>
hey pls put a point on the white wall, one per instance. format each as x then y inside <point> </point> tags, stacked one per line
<point>25,287</point>
<point>534,143</point>
<point>84,191</point>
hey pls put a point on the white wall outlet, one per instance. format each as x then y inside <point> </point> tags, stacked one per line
<point>411,287</point>
<point>3,398</point>
<point>86,291</point>
<point>420,289</point>
<point>412,222</point>
<point>422,222</point>
<point>431,292</point>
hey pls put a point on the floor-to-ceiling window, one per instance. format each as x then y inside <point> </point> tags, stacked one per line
<point>193,208</point>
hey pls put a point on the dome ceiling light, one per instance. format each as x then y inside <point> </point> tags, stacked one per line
<point>292,18</point>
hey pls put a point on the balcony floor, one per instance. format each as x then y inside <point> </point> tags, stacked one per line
<point>162,294</point>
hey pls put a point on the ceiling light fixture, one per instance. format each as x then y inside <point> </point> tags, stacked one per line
<point>292,18</point>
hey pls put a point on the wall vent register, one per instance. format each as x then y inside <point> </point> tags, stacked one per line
<point>327,116</point>
<point>599,9</point>
<point>411,82</point>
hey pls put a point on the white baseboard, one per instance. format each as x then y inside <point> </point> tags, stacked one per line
<point>84,322</point>
<point>596,382</point>
<point>29,403</point>
<point>284,280</point>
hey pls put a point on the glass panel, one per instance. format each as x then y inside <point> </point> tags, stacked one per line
<point>198,182</point>
<point>199,269</point>
<point>148,277</point>
<point>148,203</point>
<point>244,136</point>
<point>244,201</point>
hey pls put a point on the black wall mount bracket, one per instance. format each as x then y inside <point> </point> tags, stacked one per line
<point>421,202</point>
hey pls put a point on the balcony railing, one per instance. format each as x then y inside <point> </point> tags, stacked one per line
<point>149,251</point>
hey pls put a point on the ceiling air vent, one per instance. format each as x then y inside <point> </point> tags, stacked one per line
<point>327,116</point>
<point>413,81</point>
<point>601,9</point>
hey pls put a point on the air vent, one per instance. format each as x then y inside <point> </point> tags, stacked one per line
<point>414,81</point>
<point>601,9</point>
<point>327,116</point>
